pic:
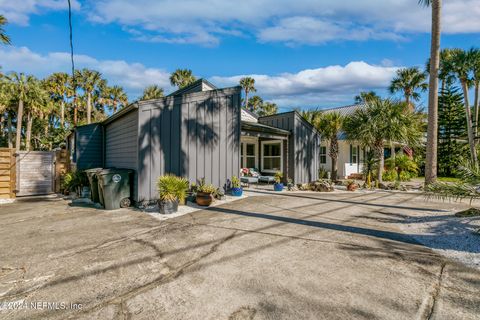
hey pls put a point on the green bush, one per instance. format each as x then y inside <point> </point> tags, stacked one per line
<point>172,188</point>
<point>72,181</point>
<point>389,175</point>
<point>206,188</point>
<point>235,182</point>
<point>278,177</point>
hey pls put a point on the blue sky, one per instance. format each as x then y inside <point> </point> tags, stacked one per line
<point>304,53</point>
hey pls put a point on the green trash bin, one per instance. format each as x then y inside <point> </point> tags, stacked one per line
<point>114,188</point>
<point>93,180</point>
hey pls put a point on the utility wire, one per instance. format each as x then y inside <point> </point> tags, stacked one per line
<point>74,83</point>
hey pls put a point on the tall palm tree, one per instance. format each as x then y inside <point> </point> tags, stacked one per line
<point>20,86</point>
<point>182,78</point>
<point>89,81</point>
<point>409,81</point>
<point>461,66</point>
<point>254,103</point>
<point>366,96</point>
<point>310,115</point>
<point>36,105</point>
<point>115,97</point>
<point>383,121</point>
<point>152,92</point>
<point>474,55</point>
<point>267,109</point>
<point>3,36</point>
<point>330,125</point>
<point>248,85</point>
<point>57,86</point>
<point>431,152</point>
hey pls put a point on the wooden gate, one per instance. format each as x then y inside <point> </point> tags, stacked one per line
<point>35,172</point>
<point>7,173</point>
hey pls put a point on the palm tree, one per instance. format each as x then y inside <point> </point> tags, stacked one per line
<point>3,36</point>
<point>20,86</point>
<point>152,92</point>
<point>254,103</point>
<point>89,80</point>
<point>461,66</point>
<point>383,121</point>
<point>248,85</point>
<point>366,96</point>
<point>310,115</point>
<point>115,96</point>
<point>474,55</point>
<point>330,125</point>
<point>267,109</point>
<point>57,85</point>
<point>431,152</point>
<point>36,106</point>
<point>182,78</point>
<point>409,81</point>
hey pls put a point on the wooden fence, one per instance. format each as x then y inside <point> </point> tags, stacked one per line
<point>7,173</point>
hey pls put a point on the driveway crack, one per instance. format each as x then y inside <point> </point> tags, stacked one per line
<point>429,309</point>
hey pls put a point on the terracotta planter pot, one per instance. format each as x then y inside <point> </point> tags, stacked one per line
<point>204,199</point>
<point>352,187</point>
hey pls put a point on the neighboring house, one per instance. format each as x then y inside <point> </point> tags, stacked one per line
<point>197,132</point>
<point>350,154</point>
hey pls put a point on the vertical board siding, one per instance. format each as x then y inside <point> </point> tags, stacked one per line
<point>89,146</point>
<point>121,144</point>
<point>194,136</point>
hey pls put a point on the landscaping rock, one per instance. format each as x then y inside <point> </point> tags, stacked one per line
<point>322,186</point>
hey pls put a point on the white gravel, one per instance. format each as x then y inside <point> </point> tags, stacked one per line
<point>454,237</point>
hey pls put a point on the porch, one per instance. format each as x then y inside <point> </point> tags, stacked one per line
<point>264,149</point>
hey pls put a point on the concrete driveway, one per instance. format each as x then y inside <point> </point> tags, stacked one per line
<point>309,256</point>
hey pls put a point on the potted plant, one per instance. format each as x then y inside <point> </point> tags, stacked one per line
<point>237,190</point>
<point>192,193</point>
<point>182,189</point>
<point>278,186</point>
<point>170,189</point>
<point>205,193</point>
<point>290,185</point>
<point>351,185</point>
<point>220,195</point>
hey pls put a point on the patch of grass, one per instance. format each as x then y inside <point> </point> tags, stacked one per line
<point>449,179</point>
<point>471,212</point>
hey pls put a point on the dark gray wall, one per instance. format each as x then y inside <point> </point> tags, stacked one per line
<point>195,135</point>
<point>303,145</point>
<point>121,144</point>
<point>88,146</point>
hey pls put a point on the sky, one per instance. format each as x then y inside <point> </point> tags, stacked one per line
<point>302,54</point>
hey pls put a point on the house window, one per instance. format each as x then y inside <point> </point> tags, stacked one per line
<point>354,154</point>
<point>323,155</point>
<point>272,160</point>
<point>248,155</point>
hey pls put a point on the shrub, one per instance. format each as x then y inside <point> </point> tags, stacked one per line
<point>235,182</point>
<point>172,188</point>
<point>75,180</point>
<point>322,173</point>
<point>278,177</point>
<point>389,175</point>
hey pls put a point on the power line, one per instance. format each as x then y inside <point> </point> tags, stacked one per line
<point>74,83</point>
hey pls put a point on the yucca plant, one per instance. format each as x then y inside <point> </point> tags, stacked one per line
<point>468,188</point>
<point>168,187</point>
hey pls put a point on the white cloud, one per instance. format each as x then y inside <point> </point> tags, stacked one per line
<point>132,76</point>
<point>293,22</point>
<point>330,85</point>
<point>18,12</point>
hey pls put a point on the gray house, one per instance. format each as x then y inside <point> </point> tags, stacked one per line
<point>198,132</point>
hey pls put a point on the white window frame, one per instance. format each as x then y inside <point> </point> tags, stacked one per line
<point>323,154</point>
<point>263,143</point>
<point>243,158</point>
